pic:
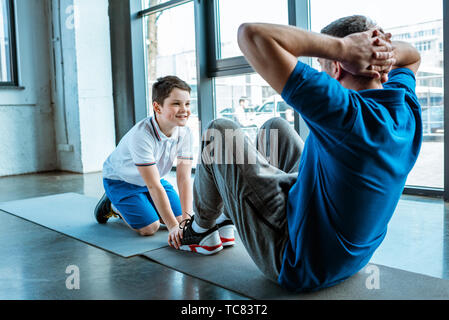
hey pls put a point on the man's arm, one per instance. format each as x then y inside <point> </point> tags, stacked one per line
<point>183,179</point>
<point>272,50</point>
<point>406,56</point>
<point>157,192</point>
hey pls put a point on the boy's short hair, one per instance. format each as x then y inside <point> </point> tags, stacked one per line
<point>348,25</point>
<point>164,86</point>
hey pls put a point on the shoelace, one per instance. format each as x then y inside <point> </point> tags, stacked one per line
<point>110,214</point>
<point>187,222</point>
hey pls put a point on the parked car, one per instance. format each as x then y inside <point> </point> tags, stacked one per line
<point>230,113</point>
<point>275,106</point>
<point>227,113</point>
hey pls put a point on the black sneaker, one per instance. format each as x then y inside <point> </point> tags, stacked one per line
<point>205,243</point>
<point>226,232</point>
<point>103,211</point>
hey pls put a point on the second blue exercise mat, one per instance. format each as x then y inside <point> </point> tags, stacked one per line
<point>72,215</point>
<point>233,269</point>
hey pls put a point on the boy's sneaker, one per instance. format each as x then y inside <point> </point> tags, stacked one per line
<point>103,211</point>
<point>226,232</point>
<point>205,243</point>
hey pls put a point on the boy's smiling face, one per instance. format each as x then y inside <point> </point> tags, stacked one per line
<point>175,110</point>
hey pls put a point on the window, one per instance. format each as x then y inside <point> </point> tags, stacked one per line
<point>151,3</point>
<point>428,171</point>
<point>240,94</point>
<point>202,42</point>
<point>232,13</point>
<point>250,101</point>
<point>8,64</point>
<point>423,46</point>
<point>170,50</point>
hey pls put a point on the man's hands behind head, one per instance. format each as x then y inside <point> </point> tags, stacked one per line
<point>369,54</point>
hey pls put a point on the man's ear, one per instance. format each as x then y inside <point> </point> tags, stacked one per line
<point>338,71</point>
<point>334,69</point>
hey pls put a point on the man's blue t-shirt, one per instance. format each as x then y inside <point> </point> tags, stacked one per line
<point>361,147</point>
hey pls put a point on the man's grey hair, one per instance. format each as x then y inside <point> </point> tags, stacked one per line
<point>349,25</point>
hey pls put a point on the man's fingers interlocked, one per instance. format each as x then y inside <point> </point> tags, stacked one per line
<point>382,45</point>
<point>382,35</point>
<point>383,55</point>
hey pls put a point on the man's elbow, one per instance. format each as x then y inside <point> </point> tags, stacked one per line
<point>245,35</point>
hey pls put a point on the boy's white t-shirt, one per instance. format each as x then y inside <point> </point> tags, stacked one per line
<point>146,145</point>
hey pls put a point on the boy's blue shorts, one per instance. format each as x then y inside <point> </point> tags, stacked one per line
<point>135,204</point>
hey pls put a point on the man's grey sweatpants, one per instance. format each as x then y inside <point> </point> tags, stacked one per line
<point>250,184</point>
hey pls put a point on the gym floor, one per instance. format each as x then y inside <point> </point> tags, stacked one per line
<point>34,259</point>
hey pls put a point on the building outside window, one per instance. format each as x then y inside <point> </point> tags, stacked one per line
<point>412,22</point>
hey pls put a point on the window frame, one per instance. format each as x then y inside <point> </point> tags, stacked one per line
<point>160,7</point>
<point>14,82</point>
<point>210,67</point>
<point>235,66</point>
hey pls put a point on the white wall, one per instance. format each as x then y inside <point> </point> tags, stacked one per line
<point>84,114</point>
<point>27,141</point>
<point>96,105</point>
<point>63,118</point>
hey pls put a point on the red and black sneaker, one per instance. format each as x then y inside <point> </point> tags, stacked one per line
<point>226,232</point>
<point>204,243</point>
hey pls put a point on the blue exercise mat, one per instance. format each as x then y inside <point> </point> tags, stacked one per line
<point>72,215</point>
<point>233,269</point>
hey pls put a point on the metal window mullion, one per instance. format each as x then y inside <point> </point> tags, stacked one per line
<point>138,62</point>
<point>299,16</point>
<point>424,192</point>
<point>161,7</point>
<point>205,57</point>
<point>13,63</point>
<point>446,99</point>
<point>230,67</point>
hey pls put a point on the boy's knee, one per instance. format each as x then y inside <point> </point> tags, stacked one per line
<point>149,230</point>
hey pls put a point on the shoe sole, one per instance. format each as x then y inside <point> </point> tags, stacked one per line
<point>209,245</point>
<point>100,220</point>
<point>227,235</point>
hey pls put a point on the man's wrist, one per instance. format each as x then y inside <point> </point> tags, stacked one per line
<point>342,52</point>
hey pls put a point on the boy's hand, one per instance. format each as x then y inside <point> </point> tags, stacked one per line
<point>368,54</point>
<point>174,236</point>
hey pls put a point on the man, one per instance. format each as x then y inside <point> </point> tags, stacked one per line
<point>242,113</point>
<point>312,224</point>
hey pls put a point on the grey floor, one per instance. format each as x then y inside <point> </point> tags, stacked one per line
<point>34,259</point>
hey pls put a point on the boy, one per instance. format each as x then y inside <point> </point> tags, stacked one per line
<point>132,174</point>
